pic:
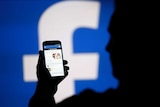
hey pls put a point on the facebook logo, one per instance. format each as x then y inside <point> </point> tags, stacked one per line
<point>77,24</point>
<point>81,26</point>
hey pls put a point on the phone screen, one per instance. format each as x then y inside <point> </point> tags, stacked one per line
<point>53,58</point>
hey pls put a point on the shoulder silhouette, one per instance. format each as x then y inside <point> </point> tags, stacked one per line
<point>127,48</point>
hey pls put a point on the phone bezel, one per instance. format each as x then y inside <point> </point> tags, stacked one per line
<point>53,42</point>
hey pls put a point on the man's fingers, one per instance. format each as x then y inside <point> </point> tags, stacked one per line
<point>65,62</point>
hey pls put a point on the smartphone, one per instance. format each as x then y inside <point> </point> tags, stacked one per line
<point>53,55</point>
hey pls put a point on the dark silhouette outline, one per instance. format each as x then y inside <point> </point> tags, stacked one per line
<point>126,53</point>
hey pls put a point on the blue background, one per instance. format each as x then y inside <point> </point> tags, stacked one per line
<point>19,36</point>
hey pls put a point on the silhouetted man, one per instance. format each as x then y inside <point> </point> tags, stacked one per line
<point>127,52</point>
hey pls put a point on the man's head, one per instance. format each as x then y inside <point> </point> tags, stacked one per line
<point>121,46</point>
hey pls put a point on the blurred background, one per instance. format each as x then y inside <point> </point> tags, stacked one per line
<point>81,25</point>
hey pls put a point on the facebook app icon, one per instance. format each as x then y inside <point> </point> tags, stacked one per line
<point>81,26</point>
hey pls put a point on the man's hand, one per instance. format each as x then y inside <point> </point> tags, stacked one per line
<point>45,81</point>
